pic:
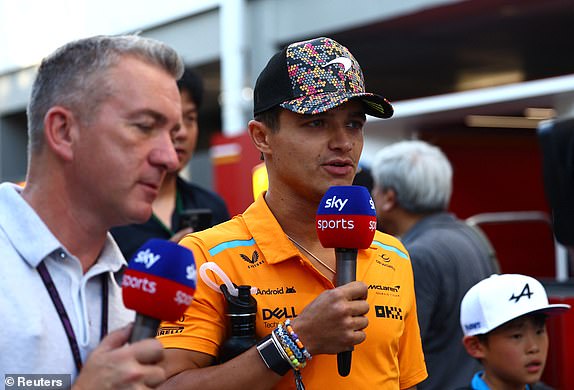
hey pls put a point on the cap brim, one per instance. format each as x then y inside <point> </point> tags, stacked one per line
<point>375,105</point>
<point>549,310</point>
<point>556,308</point>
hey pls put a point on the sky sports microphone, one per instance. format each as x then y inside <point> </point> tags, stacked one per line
<point>158,284</point>
<point>346,220</point>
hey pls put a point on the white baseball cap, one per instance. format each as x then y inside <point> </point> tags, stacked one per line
<point>501,298</point>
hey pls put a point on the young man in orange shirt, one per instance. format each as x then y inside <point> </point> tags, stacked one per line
<point>310,109</point>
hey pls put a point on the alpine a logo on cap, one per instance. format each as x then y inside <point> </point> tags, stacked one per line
<point>524,293</point>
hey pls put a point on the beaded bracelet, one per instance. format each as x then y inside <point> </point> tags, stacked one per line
<point>296,357</point>
<point>292,350</point>
<point>296,340</point>
<point>280,348</point>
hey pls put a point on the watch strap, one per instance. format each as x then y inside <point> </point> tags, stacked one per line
<point>271,355</point>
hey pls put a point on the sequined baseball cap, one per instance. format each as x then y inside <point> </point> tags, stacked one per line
<point>314,76</point>
<point>498,299</point>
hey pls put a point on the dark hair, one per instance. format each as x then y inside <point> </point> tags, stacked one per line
<point>192,83</point>
<point>364,178</point>
<point>270,117</point>
<point>538,318</point>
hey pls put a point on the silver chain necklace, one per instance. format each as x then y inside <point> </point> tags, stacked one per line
<point>310,253</point>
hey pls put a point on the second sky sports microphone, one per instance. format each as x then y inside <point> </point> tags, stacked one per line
<point>158,284</point>
<point>347,221</point>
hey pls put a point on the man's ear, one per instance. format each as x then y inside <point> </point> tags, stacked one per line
<point>389,199</point>
<point>473,346</point>
<point>59,131</point>
<point>259,134</point>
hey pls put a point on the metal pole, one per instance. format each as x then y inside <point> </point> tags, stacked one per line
<point>232,31</point>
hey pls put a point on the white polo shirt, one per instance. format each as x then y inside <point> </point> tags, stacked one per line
<point>33,339</point>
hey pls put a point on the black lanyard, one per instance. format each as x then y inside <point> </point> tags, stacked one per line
<point>53,291</point>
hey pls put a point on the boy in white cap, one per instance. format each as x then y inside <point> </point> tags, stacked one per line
<point>503,319</point>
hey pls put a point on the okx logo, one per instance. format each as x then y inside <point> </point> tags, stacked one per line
<point>391,312</point>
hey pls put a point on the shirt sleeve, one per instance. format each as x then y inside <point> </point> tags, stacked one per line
<point>202,327</point>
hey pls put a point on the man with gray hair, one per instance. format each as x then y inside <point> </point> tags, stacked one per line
<point>100,118</point>
<point>412,190</point>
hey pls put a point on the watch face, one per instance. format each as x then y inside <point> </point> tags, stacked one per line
<point>273,355</point>
<point>264,342</point>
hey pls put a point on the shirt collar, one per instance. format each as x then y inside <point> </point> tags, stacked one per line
<point>267,232</point>
<point>23,226</point>
<point>478,383</point>
<point>111,257</point>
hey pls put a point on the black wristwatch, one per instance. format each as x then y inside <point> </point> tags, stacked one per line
<point>271,355</point>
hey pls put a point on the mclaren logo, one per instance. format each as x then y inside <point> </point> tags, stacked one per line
<point>253,260</point>
<point>346,62</point>
<point>394,289</point>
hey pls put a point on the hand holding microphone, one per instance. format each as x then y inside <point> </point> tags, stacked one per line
<point>158,284</point>
<point>346,220</point>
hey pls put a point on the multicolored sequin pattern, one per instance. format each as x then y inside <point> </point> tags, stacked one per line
<point>324,74</point>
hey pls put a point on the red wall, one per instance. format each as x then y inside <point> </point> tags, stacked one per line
<point>232,171</point>
<point>500,170</point>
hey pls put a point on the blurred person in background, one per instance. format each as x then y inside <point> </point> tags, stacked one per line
<point>412,190</point>
<point>178,197</point>
<point>101,118</point>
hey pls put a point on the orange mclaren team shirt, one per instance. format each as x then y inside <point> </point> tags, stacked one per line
<point>253,250</point>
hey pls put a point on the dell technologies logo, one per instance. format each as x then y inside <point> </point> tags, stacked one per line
<point>279,313</point>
